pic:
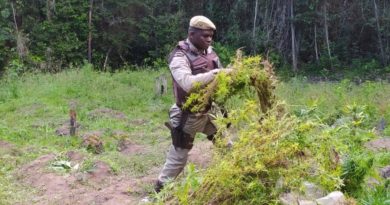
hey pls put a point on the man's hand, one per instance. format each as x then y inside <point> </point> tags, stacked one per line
<point>225,70</point>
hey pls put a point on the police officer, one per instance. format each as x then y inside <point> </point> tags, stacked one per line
<point>193,61</point>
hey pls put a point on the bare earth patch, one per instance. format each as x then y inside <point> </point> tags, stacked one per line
<point>128,147</point>
<point>101,186</point>
<point>100,172</point>
<point>75,156</point>
<point>7,148</point>
<point>4,144</point>
<point>138,122</point>
<point>201,154</point>
<point>108,113</point>
<point>382,144</point>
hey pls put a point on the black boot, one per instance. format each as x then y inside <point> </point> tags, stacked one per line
<point>211,138</point>
<point>158,186</point>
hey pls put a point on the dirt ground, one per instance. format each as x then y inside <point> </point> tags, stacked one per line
<point>98,186</point>
<point>379,144</point>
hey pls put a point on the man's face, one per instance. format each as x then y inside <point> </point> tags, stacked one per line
<point>201,38</point>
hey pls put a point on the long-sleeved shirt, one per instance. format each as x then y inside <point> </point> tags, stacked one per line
<point>181,69</point>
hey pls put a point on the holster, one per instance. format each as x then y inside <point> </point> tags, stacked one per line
<point>180,138</point>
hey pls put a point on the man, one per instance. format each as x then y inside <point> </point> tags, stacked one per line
<point>193,61</point>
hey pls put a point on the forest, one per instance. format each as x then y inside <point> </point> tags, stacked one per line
<point>315,36</point>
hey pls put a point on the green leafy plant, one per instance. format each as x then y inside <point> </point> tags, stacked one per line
<point>354,170</point>
<point>250,74</point>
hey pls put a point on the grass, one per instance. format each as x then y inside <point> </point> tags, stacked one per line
<point>33,106</point>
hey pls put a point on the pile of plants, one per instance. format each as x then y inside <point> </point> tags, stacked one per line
<point>275,151</point>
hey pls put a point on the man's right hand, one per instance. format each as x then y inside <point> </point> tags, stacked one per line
<point>225,70</point>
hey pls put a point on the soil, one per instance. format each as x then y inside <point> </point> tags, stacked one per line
<point>127,147</point>
<point>7,148</point>
<point>201,154</point>
<point>138,122</point>
<point>385,172</point>
<point>382,144</point>
<point>75,156</point>
<point>5,145</point>
<point>108,113</point>
<point>98,186</point>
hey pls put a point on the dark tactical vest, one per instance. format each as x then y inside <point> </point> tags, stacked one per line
<point>199,63</point>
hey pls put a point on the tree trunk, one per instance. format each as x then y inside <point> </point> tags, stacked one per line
<point>315,43</point>
<point>327,34</point>
<point>270,20</point>
<point>48,10</point>
<point>14,15</point>
<point>90,32</point>
<point>106,59</point>
<point>254,28</point>
<point>293,40</point>
<point>20,38</point>
<point>383,57</point>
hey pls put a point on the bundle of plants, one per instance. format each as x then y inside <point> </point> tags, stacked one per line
<point>249,74</point>
<point>274,151</point>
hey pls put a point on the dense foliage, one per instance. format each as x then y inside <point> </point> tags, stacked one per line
<point>318,36</point>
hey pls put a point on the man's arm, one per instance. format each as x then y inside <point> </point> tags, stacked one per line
<point>181,72</point>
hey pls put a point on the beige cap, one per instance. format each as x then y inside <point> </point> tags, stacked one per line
<point>202,22</point>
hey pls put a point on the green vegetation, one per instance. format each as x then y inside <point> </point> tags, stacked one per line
<point>316,125</point>
<point>277,150</point>
<point>33,106</point>
<point>247,73</point>
<point>332,58</point>
<point>326,39</point>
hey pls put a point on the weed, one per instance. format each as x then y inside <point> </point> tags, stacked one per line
<point>380,195</point>
<point>354,169</point>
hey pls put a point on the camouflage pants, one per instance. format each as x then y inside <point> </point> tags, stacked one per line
<point>177,157</point>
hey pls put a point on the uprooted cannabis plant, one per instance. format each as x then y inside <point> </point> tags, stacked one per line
<point>248,73</point>
<point>274,151</point>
